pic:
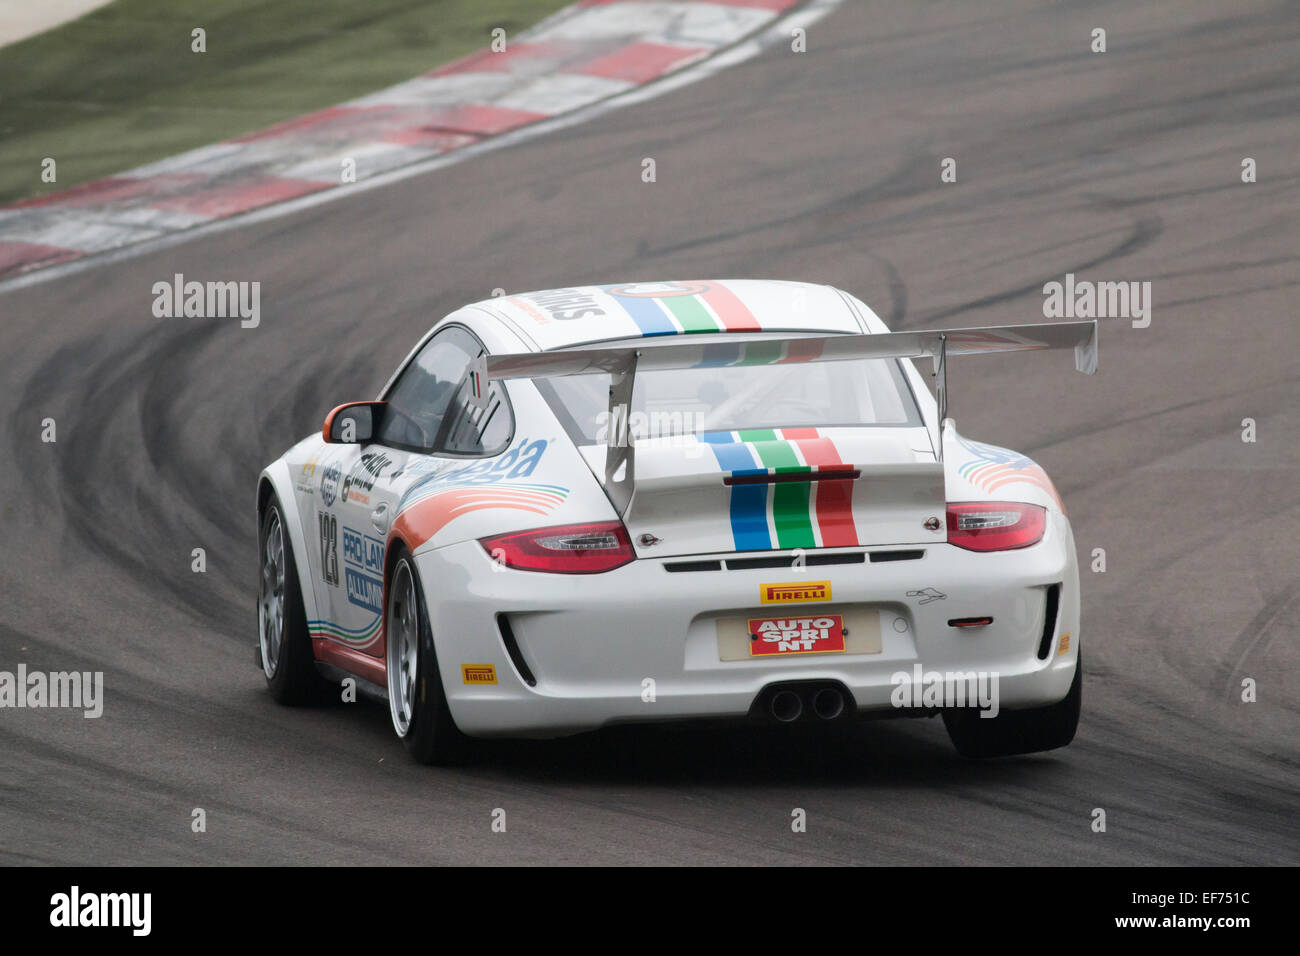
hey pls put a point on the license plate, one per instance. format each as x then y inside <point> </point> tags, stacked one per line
<point>781,636</point>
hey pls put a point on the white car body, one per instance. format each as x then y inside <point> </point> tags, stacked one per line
<point>645,642</point>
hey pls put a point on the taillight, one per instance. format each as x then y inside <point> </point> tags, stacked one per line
<point>564,549</point>
<point>995,525</point>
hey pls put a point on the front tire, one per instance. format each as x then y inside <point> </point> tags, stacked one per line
<point>1018,731</point>
<point>283,640</point>
<point>416,700</point>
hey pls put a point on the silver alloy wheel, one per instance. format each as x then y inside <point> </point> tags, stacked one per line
<point>402,630</point>
<point>270,598</point>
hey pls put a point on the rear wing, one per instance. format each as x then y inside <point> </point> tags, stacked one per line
<point>624,361</point>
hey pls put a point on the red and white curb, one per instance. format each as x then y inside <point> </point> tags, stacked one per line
<point>587,54</point>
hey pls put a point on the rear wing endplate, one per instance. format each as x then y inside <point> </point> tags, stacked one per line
<point>623,362</point>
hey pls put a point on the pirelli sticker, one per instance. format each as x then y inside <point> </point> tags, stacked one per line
<point>796,592</point>
<point>478,673</point>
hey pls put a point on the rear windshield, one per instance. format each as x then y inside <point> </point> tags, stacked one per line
<point>740,398</point>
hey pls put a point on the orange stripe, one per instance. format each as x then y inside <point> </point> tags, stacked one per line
<point>734,314</point>
<point>834,502</point>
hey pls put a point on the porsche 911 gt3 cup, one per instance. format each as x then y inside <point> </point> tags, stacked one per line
<point>710,499</point>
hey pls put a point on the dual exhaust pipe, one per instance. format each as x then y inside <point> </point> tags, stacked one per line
<point>790,703</point>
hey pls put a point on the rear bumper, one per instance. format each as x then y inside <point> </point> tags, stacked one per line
<point>640,644</point>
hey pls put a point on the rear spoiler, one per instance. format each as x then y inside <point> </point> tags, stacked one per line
<point>624,361</point>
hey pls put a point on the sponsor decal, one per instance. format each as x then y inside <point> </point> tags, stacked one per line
<point>566,304</point>
<point>362,551</point>
<point>805,635</point>
<point>446,494</point>
<point>362,476</point>
<point>1065,644</point>
<point>417,465</point>
<point>363,590</point>
<point>478,673</point>
<point>992,467</point>
<point>927,595</point>
<point>431,513</point>
<point>354,637</point>
<point>329,547</point>
<point>669,308</point>
<point>329,484</point>
<point>795,592</point>
<point>307,473</point>
<point>478,382</point>
<point>792,514</point>
<point>529,309</point>
<point>519,461</point>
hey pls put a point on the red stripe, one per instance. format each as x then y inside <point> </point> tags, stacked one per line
<point>101,190</point>
<point>801,350</point>
<point>219,200</point>
<point>777,5</point>
<point>301,124</point>
<point>16,256</point>
<point>490,61</point>
<point>481,120</point>
<point>733,313</point>
<point>640,62</point>
<point>834,498</point>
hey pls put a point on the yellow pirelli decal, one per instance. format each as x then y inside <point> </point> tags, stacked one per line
<point>796,592</point>
<point>478,673</point>
<point>1065,644</point>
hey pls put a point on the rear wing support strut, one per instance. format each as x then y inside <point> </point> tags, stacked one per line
<point>941,386</point>
<point>620,450</point>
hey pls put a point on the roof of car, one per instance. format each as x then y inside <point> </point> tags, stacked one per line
<point>559,318</point>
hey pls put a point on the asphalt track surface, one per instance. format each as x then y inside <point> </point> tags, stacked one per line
<point>820,166</point>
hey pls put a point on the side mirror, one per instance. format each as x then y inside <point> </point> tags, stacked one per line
<point>352,424</point>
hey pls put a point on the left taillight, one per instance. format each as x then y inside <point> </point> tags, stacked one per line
<point>564,549</point>
<point>995,525</point>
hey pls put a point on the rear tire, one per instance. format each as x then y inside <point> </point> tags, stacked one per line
<point>1017,731</point>
<point>283,640</point>
<point>416,700</point>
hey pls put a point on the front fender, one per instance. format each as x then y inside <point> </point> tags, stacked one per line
<point>280,481</point>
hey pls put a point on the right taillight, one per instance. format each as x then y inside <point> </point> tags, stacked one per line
<point>995,525</point>
<point>564,549</point>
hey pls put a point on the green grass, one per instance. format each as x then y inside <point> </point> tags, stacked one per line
<point>120,87</point>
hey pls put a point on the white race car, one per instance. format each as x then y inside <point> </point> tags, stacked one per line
<point>658,501</point>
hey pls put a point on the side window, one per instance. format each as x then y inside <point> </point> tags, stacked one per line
<point>428,407</point>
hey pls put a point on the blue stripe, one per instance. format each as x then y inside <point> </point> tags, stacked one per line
<point>719,354</point>
<point>749,518</point>
<point>646,313</point>
<point>748,502</point>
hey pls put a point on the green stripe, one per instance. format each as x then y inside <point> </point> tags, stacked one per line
<point>335,631</point>
<point>690,312</point>
<point>790,499</point>
<point>761,353</point>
